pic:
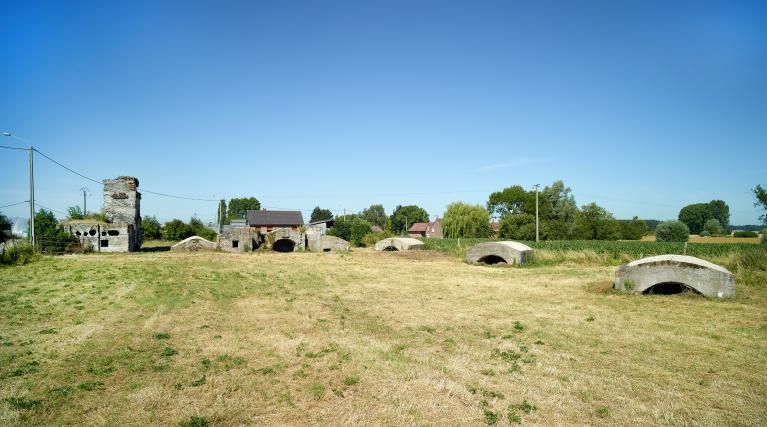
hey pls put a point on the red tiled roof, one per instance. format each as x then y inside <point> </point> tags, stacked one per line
<point>419,226</point>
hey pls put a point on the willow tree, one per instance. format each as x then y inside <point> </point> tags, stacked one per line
<point>465,220</point>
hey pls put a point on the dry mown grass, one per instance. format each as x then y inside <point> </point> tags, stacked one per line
<point>367,338</point>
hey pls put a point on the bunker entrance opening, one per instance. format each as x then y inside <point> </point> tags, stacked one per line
<point>492,259</point>
<point>669,288</point>
<point>284,245</point>
<point>390,249</point>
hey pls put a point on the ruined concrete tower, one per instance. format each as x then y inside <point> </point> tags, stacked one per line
<point>122,202</point>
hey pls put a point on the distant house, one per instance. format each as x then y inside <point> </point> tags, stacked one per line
<point>266,220</point>
<point>430,230</point>
<point>496,227</point>
<point>320,226</point>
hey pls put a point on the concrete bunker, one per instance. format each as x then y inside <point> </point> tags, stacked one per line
<point>508,252</point>
<point>284,240</point>
<point>193,244</point>
<point>317,242</point>
<point>672,274</point>
<point>399,244</point>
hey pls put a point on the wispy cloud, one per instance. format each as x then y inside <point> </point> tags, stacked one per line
<point>514,162</point>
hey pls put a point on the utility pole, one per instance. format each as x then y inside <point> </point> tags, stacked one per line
<point>32,196</point>
<point>85,210</point>
<point>537,238</point>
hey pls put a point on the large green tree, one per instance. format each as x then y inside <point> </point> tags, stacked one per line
<point>558,202</point>
<point>596,223</point>
<point>517,227</point>
<point>238,207</point>
<point>405,216</point>
<point>319,214</point>
<point>696,214</point>
<point>720,211</point>
<point>512,200</point>
<point>376,215</point>
<point>465,220</point>
<point>760,194</point>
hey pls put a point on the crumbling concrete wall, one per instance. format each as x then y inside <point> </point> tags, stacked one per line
<point>104,237</point>
<point>240,239</point>
<point>122,203</point>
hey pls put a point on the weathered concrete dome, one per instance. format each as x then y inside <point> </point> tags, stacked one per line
<point>399,244</point>
<point>494,252</point>
<point>666,274</point>
<point>192,244</point>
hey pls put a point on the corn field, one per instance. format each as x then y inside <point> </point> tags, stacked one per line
<point>612,249</point>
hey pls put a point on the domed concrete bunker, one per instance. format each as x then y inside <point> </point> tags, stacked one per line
<point>670,274</point>
<point>399,244</point>
<point>508,252</point>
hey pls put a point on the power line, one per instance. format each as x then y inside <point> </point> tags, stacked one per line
<point>143,190</point>
<point>14,148</point>
<point>14,204</point>
<point>51,209</point>
<point>69,169</point>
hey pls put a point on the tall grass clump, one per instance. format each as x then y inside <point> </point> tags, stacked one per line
<point>18,253</point>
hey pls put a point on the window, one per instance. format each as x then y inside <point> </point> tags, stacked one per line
<point>235,243</point>
<point>113,232</point>
<point>105,243</point>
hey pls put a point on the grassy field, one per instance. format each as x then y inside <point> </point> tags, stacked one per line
<point>370,338</point>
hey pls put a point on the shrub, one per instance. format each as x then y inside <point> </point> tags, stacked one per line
<point>17,252</point>
<point>199,229</point>
<point>176,230</point>
<point>713,226</point>
<point>350,228</point>
<point>672,231</point>
<point>744,234</point>
<point>704,233</point>
<point>371,239</point>
<point>151,228</point>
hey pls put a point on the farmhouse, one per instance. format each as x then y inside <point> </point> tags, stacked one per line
<point>266,220</point>
<point>122,209</point>
<point>430,230</point>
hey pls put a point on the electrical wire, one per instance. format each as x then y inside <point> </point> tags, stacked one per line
<point>14,204</point>
<point>69,169</point>
<point>14,148</point>
<point>51,209</point>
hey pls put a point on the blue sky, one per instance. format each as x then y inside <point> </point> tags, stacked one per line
<point>643,107</point>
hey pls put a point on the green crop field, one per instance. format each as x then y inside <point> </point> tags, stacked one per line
<point>615,251</point>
